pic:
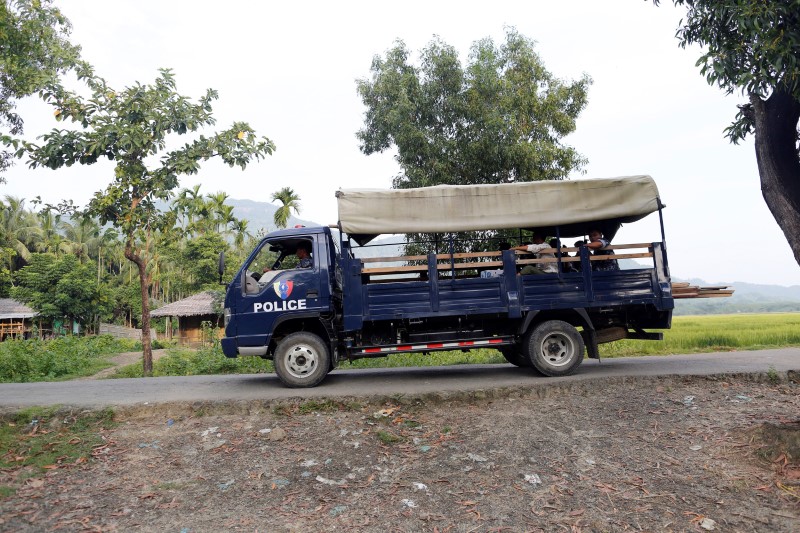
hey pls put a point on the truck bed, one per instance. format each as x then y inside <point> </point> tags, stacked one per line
<point>510,294</point>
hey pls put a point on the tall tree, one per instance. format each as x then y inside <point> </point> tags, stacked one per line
<point>34,51</point>
<point>290,201</point>
<point>131,127</point>
<point>499,118</point>
<point>752,47</point>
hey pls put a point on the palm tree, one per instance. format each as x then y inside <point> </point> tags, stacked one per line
<point>290,202</point>
<point>84,237</point>
<point>19,229</point>
<point>240,233</point>
<point>52,241</point>
<point>188,204</point>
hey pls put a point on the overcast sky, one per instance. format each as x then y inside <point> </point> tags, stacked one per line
<point>289,69</point>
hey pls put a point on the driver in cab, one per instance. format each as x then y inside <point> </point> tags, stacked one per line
<point>303,254</point>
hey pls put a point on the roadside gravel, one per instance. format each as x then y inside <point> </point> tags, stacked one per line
<point>638,454</point>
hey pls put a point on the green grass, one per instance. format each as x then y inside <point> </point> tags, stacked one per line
<point>204,361</point>
<point>59,359</point>
<point>388,438</point>
<point>38,439</point>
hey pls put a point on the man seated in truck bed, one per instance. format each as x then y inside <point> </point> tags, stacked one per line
<point>535,248</point>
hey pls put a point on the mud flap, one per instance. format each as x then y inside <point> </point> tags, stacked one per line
<point>590,340</point>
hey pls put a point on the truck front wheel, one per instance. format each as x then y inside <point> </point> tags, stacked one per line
<point>555,348</point>
<point>302,360</point>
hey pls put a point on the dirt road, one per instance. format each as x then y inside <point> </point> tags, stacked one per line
<point>632,454</point>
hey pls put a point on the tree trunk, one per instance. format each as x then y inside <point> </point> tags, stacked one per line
<point>776,122</point>
<point>147,346</point>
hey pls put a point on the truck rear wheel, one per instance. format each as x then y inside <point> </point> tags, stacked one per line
<point>515,356</point>
<point>555,348</point>
<point>302,359</point>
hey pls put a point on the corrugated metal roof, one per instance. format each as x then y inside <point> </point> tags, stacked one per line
<point>13,309</point>
<point>197,304</point>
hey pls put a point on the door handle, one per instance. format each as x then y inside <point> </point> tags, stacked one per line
<point>312,294</point>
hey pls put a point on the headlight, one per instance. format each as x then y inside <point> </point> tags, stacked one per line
<point>227,316</point>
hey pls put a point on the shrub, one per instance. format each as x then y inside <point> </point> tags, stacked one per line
<point>42,360</point>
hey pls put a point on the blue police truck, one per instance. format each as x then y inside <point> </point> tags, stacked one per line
<point>310,297</point>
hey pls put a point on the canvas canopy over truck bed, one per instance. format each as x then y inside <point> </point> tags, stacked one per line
<point>540,205</point>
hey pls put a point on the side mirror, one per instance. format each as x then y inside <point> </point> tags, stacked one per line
<point>221,265</point>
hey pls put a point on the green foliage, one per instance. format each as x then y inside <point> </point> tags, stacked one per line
<point>6,256</point>
<point>24,361</point>
<point>773,376</point>
<point>58,287</point>
<point>749,46</point>
<point>127,298</point>
<point>34,51</point>
<point>500,118</point>
<point>199,260</point>
<point>39,439</point>
<point>130,127</point>
<point>204,361</point>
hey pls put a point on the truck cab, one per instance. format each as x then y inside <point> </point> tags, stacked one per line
<point>273,292</point>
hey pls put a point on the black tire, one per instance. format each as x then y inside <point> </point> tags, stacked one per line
<point>555,348</point>
<point>302,360</point>
<point>514,355</point>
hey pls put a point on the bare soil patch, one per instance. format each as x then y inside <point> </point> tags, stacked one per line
<point>690,454</point>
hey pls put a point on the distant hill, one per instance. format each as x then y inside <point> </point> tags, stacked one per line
<point>747,298</point>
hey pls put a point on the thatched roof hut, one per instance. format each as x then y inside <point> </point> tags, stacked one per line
<point>191,313</point>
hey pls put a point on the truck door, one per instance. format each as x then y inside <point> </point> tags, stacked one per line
<point>282,281</point>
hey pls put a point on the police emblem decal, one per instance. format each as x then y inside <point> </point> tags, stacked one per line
<point>283,288</point>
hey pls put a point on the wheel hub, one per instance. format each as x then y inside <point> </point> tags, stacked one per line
<point>556,349</point>
<point>302,361</point>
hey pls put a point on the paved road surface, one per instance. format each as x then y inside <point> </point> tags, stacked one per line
<point>367,382</point>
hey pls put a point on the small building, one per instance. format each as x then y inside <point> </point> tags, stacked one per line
<point>16,319</point>
<point>191,314</point>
